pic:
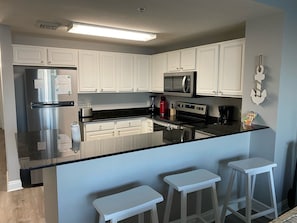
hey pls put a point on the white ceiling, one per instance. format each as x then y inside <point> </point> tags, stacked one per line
<point>174,21</point>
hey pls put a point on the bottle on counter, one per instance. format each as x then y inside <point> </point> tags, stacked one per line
<point>163,106</point>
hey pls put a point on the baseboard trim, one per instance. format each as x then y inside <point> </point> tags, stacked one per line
<point>14,185</point>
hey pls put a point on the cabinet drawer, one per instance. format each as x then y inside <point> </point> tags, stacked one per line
<point>128,123</point>
<point>99,126</point>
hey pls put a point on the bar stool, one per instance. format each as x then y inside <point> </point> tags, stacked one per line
<point>250,168</point>
<point>135,201</point>
<point>188,182</point>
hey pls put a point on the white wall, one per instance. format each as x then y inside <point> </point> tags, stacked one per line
<point>9,110</point>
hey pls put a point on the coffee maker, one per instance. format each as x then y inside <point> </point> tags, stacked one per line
<point>226,114</point>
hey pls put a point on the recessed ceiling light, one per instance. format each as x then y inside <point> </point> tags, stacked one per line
<point>111,32</point>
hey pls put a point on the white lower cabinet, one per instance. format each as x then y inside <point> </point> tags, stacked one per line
<point>118,127</point>
<point>98,130</point>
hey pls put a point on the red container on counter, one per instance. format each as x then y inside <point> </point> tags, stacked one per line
<point>163,106</point>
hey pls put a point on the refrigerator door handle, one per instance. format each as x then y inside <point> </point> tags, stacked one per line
<point>51,104</point>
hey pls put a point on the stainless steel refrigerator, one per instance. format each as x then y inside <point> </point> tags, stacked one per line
<point>51,99</point>
<point>46,103</point>
<point>46,98</point>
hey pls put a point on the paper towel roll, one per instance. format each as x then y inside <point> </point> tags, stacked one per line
<point>75,133</point>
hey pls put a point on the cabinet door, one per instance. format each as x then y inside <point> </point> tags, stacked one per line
<point>99,135</point>
<point>142,77</point>
<point>124,73</point>
<point>173,58</point>
<point>29,55</point>
<point>188,59</point>
<point>107,71</point>
<point>207,69</point>
<point>159,67</point>
<point>231,68</point>
<point>62,57</point>
<point>88,71</point>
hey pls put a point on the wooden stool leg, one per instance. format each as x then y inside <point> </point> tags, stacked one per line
<point>141,218</point>
<point>248,199</point>
<point>154,215</point>
<point>183,208</point>
<point>168,204</point>
<point>215,203</point>
<point>272,193</point>
<point>226,201</point>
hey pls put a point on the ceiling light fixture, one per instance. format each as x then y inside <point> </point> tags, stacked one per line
<point>104,31</point>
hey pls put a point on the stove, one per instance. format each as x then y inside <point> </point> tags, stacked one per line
<point>189,119</point>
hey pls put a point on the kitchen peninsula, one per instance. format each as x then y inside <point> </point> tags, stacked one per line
<point>74,177</point>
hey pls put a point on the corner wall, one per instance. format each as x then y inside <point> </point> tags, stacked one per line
<point>9,114</point>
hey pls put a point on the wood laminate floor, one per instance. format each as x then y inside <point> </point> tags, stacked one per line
<point>26,206</point>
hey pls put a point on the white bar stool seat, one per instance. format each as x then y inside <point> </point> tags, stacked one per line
<point>135,201</point>
<point>188,182</point>
<point>250,168</point>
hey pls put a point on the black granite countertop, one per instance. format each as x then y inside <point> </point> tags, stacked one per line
<point>49,147</point>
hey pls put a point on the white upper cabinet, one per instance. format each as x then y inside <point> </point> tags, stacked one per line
<point>44,56</point>
<point>207,69</point>
<point>88,71</point>
<point>29,55</point>
<point>125,72</point>
<point>62,57</point>
<point>220,69</point>
<point>159,67</point>
<point>107,71</point>
<point>142,73</point>
<point>182,60</point>
<point>231,68</point>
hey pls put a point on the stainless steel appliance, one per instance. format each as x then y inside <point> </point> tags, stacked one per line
<point>186,125</point>
<point>180,84</point>
<point>46,101</point>
<point>51,99</point>
<point>226,114</point>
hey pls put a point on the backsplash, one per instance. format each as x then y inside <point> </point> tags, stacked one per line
<point>109,101</point>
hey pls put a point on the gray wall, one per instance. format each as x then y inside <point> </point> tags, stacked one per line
<point>9,110</point>
<point>274,37</point>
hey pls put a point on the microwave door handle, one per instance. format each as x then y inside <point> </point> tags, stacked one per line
<point>184,83</point>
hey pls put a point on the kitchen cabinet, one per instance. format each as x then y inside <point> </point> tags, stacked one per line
<point>125,72</point>
<point>29,55</point>
<point>182,60</point>
<point>159,67</point>
<point>99,130</point>
<point>142,73</point>
<point>107,71</point>
<point>128,127</point>
<point>44,56</point>
<point>207,69</point>
<point>231,68</point>
<point>117,127</point>
<point>88,71</point>
<point>62,57</point>
<point>220,69</point>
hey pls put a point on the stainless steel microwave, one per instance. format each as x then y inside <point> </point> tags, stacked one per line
<point>180,84</point>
